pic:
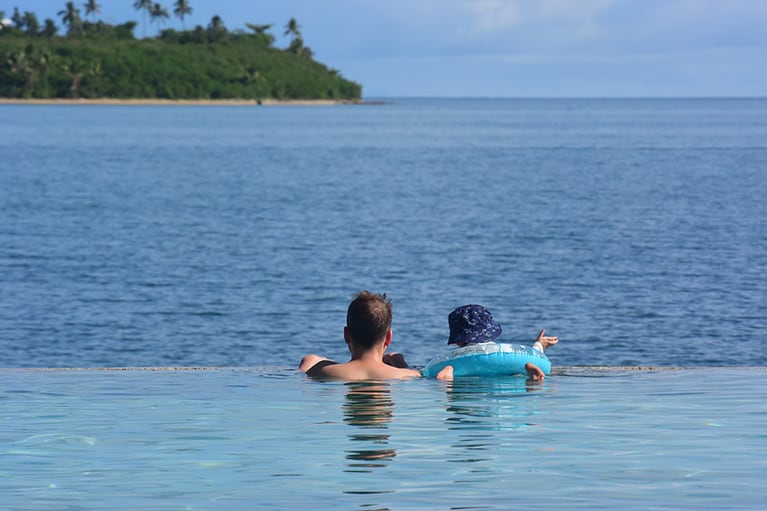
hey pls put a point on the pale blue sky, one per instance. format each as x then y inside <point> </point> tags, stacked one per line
<point>507,48</point>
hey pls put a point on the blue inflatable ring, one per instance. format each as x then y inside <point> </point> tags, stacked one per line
<point>488,359</point>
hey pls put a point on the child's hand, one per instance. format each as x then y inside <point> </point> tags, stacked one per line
<point>546,341</point>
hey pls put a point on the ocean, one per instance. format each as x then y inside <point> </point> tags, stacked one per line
<point>134,236</point>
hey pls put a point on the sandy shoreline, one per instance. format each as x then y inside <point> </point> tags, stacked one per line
<point>186,102</point>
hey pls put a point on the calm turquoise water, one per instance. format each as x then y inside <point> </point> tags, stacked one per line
<point>226,236</point>
<point>269,439</point>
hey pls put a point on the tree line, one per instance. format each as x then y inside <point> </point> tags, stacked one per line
<point>95,59</point>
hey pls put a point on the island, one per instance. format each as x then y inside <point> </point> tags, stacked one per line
<point>94,60</point>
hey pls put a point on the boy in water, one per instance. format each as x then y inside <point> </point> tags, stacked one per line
<point>368,334</point>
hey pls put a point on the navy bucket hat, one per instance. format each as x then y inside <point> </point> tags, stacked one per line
<point>472,324</point>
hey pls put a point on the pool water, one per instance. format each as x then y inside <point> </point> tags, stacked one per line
<point>269,438</point>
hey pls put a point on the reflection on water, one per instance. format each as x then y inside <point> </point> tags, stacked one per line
<point>477,401</point>
<point>369,407</point>
<point>480,408</point>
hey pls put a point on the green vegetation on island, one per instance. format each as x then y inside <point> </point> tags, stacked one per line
<point>97,60</point>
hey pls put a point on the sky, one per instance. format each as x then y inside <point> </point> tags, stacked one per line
<point>505,48</point>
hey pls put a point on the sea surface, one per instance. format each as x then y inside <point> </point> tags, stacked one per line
<point>132,236</point>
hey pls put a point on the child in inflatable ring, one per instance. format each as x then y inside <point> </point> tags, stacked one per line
<point>474,324</point>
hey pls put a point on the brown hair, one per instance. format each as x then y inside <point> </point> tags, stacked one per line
<point>368,318</point>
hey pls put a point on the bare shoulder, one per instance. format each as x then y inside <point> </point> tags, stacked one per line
<point>354,371</point>
<point>408,373</point>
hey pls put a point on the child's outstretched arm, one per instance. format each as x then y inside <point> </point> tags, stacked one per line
<point>542,341</point>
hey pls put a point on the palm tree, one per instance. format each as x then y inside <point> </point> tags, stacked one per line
<point>216,23</point>
<point>250,75</point>
<point>260,33</point>
<point>158,13</point>
<point>75,70</point>
<point>258,29</point>
<point>71,18</point>
<point>94,73</point>
<point>143,5</point>
<point>43,63</point>
<point>182,9</point>
<point>31,23</point>
<point>293,28</point>
<point>50,28</point>
<point>17,19</point>
<point>91,7</point>
<point>26,65</point>
<point>18,65</point>
<point>216,28</point>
